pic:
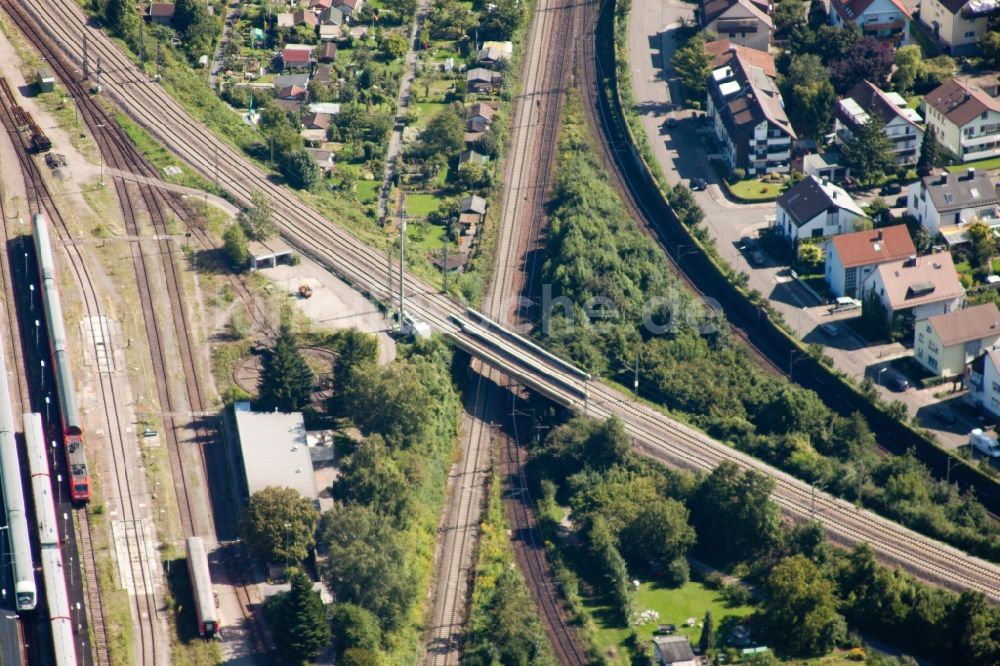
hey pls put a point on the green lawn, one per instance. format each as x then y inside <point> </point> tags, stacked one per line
<point>425,238</point>
<point>421,205</point>
<point>754,190</point>
<point>425,110</point>
<point>991,163</point>
<point>674,606</point>
<point>367,190</point>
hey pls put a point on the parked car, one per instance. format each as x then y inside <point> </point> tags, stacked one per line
<point>757,258</point>
<point>831,330</point>
<point>698,184</point>
<point>892,188</point>
<point>898,383</point>
<point>945,416</point>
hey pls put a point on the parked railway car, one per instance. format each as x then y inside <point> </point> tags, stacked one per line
<point>43,493</point>
<point>25,590</point>
<point>201,588</point>
<point>72,432</point>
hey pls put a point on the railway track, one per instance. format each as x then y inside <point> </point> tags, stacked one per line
<point>119,152</point>
<point>527,176</point>
<point>362,266</point>
<point>40,200</point>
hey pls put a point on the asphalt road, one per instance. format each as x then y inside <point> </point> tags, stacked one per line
<point>681,152</point>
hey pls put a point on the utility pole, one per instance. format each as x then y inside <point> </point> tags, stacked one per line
<point>217,166</point>
<point>142,50</point>
<point>159,62</point>
<point>388,255</point>
<point>98,72</point>
<point>444,266</point>
<point>402,244</point>
<point>86,58</point>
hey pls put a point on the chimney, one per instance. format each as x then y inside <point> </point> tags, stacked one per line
<point>834,193</point>
<point>944,178</point>
<point>879,237</point>
<point>970,173</point>
<point>826,181</point>
<point>911,261</point>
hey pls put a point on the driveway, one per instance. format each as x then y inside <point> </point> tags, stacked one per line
<point>681,152</point>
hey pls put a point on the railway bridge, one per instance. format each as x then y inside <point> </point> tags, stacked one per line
<point>655,434</point>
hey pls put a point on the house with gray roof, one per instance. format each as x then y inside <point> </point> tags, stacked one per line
<point>673,650</point>
<point>743,22</point>
<point>482,80</point>
<point>815,208</point>
<point>946,199</point>
<point>902,124</point>
<point>748,113</point>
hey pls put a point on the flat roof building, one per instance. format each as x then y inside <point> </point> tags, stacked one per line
<point>273,451</point>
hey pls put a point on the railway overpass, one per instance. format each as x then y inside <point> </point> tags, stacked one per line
<point>313,235</point>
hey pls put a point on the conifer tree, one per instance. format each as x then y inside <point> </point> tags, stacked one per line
<point>286,380</point>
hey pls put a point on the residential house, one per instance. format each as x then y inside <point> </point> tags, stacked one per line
<point>490,55</point>
<point>917,287</point>
<point>886,20</point>
<point>329,108</point>
<point>479,121</point>
<point>482,80</point>
<point>316,121</point>
<point>161,12</point>
<point>472,157</point>
<point>284,20</point>
<point>305,17</point>
<point>322,75</point>
<point>506,48</point>
<point>282,81</point>
<point>957,24</point>
<point>748,112</point>
<point>331,16</point>
<point>946,343</point>
<point>327,52</point>
<point>320,5</point>
<point>948,199</point>
<point>743,22</point>
<point>291,98</point>
<point>472,204</point>
<point>851,258</point>
<point>983,379</point>
<point>902,124</point>
<point>814,208</point>
<point>329,33</point>
<point>966,120</point>
<point>348,7</point>
<point>673,651</point>
<point>322,158</point>
<point>296,56</point>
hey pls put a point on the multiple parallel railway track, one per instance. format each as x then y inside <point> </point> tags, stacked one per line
<point>655,434</point>
<point>120,153</point>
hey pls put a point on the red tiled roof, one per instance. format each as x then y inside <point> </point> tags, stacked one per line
<point>723,50</point>
<point>295,55</point>
<point>874,246</point>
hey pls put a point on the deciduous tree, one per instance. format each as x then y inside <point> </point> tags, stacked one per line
<point>693,65</point>
<point>865,60</point>
<point>301,170</point>
<point>809,95</point>
<point>256,219</point>
<point>800,609</point>
<point>371,477</point>
<point>354,627</point>
<point>236,245</point>
<point>122,17</point>
<point>279,525</point>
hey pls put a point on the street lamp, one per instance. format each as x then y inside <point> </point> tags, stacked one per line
<point>53,454</point>
<point>878,375</point>
<point>31,289</point>
<point>37,325</point>
<point>43,372</point>
<point>65,532</point>
<point>59,483</point>
<point>48,401</point>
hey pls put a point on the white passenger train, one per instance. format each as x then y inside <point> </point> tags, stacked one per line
<point>60,615</point>
<point>25,590</point>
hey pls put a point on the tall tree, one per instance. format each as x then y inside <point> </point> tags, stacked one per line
<point>818,15</point>
<point>279,525</point>
<point>256,219</point>
<point>734,516</point>
<point>908,67</point>
<point>366,562</point>
<point>693,65</point>
<point>301,170</point>
<point>989,47</point>
<point>192,20</point>
<point>286,380</point>
<point>444,135</point>
<point>123,17</point>
<point>870,152</point>
<point>984,245</point>
<point>371,477</point>
<point>355,627</point>
<point>865,60</point>
<point>974,637</point>
<point>707,640</point>
<point>929,153</point>
<point>236,245</point>
<point>298,620</point>
<point>809,96</point>
<point>800,609</point>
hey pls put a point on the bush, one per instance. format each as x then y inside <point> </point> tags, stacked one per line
<point>737,594</point>
<point>736,175</point>
<point>678,572</point>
